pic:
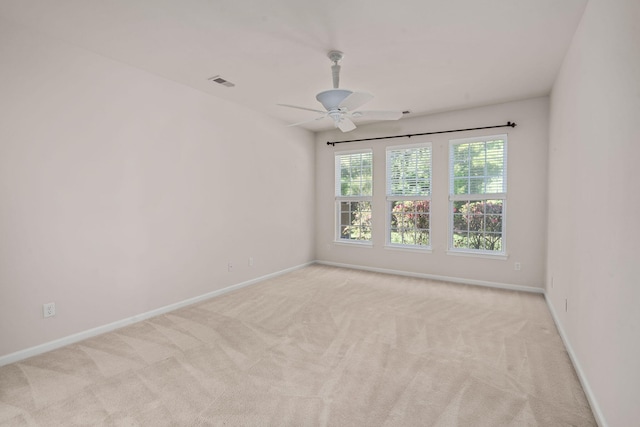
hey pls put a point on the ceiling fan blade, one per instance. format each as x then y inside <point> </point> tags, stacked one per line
<point>307,121</point>
<point>355,100</point>
<point>302,108</point>
<point>377,115</point>
<point>345,124</point>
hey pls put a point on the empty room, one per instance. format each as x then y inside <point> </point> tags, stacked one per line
<point>342,213</point>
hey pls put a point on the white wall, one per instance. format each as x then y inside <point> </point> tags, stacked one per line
<point>122,192</point>
<point>526,200</point>
<point>594,205</point>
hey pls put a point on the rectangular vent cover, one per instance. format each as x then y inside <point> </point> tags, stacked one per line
<point>221,81</point>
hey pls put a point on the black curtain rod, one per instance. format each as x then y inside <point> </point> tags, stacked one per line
<point>509,124</point>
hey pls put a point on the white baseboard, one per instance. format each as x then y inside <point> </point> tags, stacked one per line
<point>597,412</point>
<point>436,277</point>
<point>71,339</point>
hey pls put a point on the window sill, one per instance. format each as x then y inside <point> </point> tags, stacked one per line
<point>356,243</point>
<point>487,255</point>
<point>417,249</point>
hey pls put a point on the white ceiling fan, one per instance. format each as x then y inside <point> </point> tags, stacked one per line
<point>341,105</point>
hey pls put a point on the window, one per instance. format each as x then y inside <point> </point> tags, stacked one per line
<point>354,189</point>
<point>409,195</point>
<point>477,194</point>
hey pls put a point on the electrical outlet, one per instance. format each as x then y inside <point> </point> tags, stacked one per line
<point>517,266</point>
<point>250,261</point>
<point>230,266</point>
<point>566,305</point>
<point>49,309</point>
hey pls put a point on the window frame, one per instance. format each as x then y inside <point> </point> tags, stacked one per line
<point>391,198</point>
<point>339,198</point>
<point>478,197</point>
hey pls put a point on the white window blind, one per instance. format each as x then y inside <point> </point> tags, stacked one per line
<point>354,174</point>
<point>409,171</point>
<point>478,166</point>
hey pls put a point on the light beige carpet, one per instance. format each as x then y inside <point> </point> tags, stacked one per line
<point>320,346</point>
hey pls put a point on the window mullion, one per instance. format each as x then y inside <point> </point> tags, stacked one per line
<point>488,196</point>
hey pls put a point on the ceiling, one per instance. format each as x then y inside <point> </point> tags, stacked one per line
<point>424,56</point>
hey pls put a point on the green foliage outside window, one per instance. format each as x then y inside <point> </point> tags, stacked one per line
<point>410,222</point>
<point>478,167</point>
<point>355,218</point>
<point>356,175</point>
<point>478,225</point>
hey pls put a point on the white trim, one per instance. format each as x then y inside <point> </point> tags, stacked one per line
<point>485,283</point>
<point>354,242</point>
<point>74,338</point>
<point>413,145</point>
<point>479,139</point>
<point>595,408</point>
<point>408,198</point>
<point>409,248</point>
<point>349,199</point>
<point>356,151</point>
<point>480,254</point>
<point>474,197</point>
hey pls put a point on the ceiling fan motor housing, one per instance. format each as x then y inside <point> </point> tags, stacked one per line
<point>331,99</point>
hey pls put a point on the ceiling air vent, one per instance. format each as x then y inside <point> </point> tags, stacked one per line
<point>220,80</point>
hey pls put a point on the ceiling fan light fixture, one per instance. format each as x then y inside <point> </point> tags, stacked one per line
<point>331,99</point>
<point>342,105</point>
